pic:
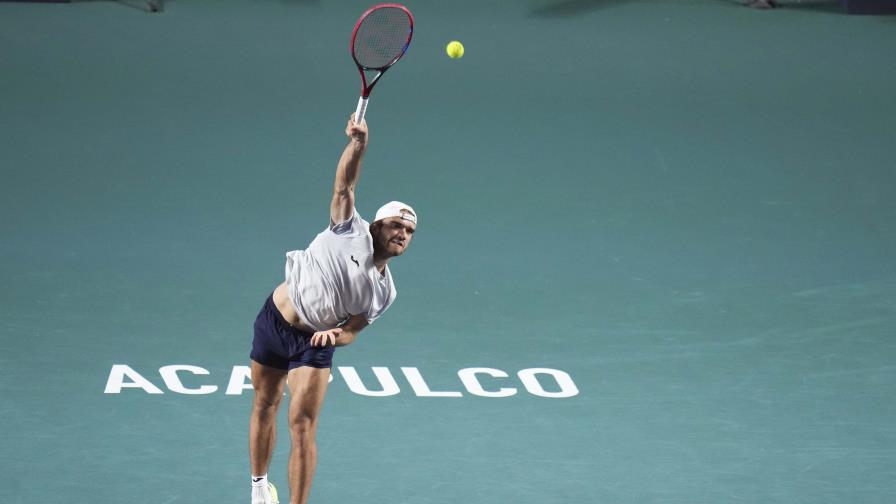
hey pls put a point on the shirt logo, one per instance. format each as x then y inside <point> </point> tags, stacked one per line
<point>355,261</point>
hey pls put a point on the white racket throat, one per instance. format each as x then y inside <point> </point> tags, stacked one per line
<point>361,110</point>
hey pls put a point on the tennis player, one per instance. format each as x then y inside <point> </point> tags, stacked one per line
<point>334,288</point>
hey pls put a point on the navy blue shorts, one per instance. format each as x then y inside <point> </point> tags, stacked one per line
<point>278,344</point>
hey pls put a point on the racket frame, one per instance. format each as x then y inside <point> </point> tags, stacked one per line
<point>367,87</point>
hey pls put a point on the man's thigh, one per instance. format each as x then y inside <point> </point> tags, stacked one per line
<point>268,382</point>
<point>307,388</point>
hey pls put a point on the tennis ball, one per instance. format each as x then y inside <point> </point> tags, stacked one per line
<point>455,49</point>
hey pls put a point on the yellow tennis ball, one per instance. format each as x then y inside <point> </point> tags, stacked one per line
<point>455,49</point>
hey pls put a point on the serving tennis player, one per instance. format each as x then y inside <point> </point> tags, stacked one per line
<point>333,289</point>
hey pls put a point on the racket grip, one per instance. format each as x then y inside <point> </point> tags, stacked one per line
<point>361,110</point>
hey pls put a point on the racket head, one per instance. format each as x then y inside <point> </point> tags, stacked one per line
<point>381,37</point>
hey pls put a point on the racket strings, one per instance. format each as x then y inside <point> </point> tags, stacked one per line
<point>382,37</point>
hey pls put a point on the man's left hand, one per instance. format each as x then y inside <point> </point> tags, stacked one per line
<point>325,338</point>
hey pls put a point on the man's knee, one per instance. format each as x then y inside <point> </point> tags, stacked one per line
<point>267,401</point>
<point>303,423</point>
<point>266,405</point>
<point>303,420</point>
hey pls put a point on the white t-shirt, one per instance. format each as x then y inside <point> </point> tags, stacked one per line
<point>335,278</point>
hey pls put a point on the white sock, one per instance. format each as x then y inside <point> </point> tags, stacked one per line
<point>261,490</point>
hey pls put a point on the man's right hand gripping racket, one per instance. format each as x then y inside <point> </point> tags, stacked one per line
<point>379,40</point>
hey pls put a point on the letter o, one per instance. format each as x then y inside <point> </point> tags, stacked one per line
<point>564,381</point>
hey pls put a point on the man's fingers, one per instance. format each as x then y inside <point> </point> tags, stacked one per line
<point>325,338</point>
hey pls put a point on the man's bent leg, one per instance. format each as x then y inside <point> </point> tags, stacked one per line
<point>307,387</point>
<point>268,383</point>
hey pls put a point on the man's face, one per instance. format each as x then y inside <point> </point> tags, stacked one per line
<point>394,235</point>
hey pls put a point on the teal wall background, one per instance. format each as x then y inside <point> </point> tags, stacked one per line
<point>686,206</point>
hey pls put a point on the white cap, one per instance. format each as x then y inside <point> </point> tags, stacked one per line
<point>396,209</point>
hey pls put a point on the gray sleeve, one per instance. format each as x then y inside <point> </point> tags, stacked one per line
<point>350,227</point>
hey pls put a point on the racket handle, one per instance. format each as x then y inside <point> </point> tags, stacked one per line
<point>361,110</point>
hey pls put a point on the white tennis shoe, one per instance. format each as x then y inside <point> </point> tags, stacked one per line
<point>265,495</point>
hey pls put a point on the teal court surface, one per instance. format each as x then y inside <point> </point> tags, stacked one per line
<point>654,262</point>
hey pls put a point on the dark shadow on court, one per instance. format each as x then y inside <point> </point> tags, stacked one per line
<point>828,6</point>
<point>561,8</point>
<point>838,7</point>
<point>152,6</point>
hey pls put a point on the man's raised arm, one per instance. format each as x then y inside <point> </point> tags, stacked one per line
<point>348,171</point>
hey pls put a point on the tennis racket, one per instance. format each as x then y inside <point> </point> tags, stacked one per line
<point>379,40</point>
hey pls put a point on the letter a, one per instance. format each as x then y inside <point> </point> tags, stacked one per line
<point>116,381</point>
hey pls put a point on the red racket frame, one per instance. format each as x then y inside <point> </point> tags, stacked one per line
<point>367,87</point>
